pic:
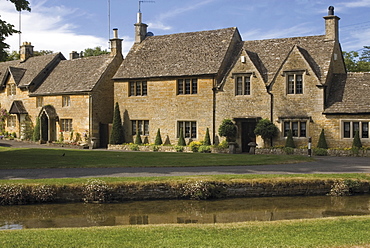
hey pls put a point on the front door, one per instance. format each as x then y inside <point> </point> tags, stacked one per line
<point>247,133</point>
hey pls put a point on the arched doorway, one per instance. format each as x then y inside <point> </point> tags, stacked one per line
<point>48,118</point>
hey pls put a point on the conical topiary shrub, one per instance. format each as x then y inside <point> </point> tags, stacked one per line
<point>356,140</point>
<point>289,140</point>
<point>36,131</point>
<point>181,141</point>
<point>322,141</point>
<point>117,136</point>
<point>138,140</point>
<point>158,138</point>
<point>207,138</point>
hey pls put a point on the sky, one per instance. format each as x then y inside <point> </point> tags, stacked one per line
<point>74,25</point>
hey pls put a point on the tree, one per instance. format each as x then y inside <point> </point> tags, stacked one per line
<point>181,141</point>
<point>138,140</point>
<point>207,138</point>
<point>88,52</point>
<point>158,138</point>
<point>117,136</point>
<point>322,141</point>
<point>7,29</point>
<point>14,55</point>
<point>356,63</point>
<point>289,140</point>
<point>266,129</point>
<point>227,129</point>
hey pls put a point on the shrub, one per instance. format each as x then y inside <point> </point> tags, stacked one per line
<point>339,188</point>
<point>138,140</point>
<point>36,131</point>
<point>179,148</point>
<point>320,152</point>
<point>266,129</point>
<point>202,190</point>
<point>204,149</point>
<point>356,140</point>
<point>223,145</point>
<point>181,141</point>
<point>134,147</point>
<point>42,193</point>
<point>12,194</point>
<point>158,138</point>
<point>322,141</point>
<point>288,150</point>
<point>227,129</point>
<point>289,140</point>
<point>96,191</point>
<point>117,135</point>
<point>194,146</point>
<point>207,138</point>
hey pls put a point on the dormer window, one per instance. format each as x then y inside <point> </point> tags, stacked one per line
<point>295,83</point>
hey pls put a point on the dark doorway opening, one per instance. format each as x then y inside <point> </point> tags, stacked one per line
<point>247,133</point>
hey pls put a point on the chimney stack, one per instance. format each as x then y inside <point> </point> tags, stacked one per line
<point>74,55</point>
<point>26,51</point>
<point>140,29</point>
<point>115,44</point>
<point>331,25</point>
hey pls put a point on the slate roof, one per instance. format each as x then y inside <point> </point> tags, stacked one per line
<point>350,94</point>
<point>75,76</point>
<point>17,108</point>
<point>181,54</point>
<point>273,52</point>
<point>28,72</point>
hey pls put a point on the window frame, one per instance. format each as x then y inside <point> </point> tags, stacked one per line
<point>189,129</point>
<point>66,125</point>
<point>138,88</point>
<point>294,82</point>
<point>141,125</point>
<point>349,127</point>
<point>12,90</point>
<point>66,101</point>
<point>11,121</point>
<point>187,86</point>
<point>298,127</point>
<point>243,84</point>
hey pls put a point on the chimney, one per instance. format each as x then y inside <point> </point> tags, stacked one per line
<point>26,51</point>
<point>115,44</point>
<point>74,55</point>
<point>331,25</point>
<point>140,29</point>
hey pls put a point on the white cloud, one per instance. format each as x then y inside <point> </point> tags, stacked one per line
<point>356,4</point>
<point>48,28</point>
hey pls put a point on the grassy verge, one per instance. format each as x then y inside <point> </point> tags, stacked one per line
<point>12,158</point>
<point>331,232</point>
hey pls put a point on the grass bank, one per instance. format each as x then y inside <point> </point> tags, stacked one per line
<point>331,232</point>
<point>13,158</point>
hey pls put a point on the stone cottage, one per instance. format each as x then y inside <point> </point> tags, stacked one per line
<point>71,97</point>
<point>192,81</point>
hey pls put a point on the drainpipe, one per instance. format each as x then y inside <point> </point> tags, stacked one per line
<point>271,106</point>
<point>214,89</point>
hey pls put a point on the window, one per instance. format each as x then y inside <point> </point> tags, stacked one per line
<point>39,101</point>
<point>298,128</point>
<point>189,129</point>
<point>243,85</point>
<point>349,128</point>
<point>66,125</point>
<point>12,90</point>
<point>66,101</point>
<point>141,126</point>
<point>295,84</point>
<point>138,88</point>
<point>187,86</point>
<point>12,121</point>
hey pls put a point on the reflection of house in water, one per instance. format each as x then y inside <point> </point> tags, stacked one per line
<point>181,212</point>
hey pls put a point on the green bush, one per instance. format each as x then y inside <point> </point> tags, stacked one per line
<point>138,140</point>
<point>289,150</point>
<point>289,140</point>
<point>36,131</point>
<point>134,147</point>
<point>203,190</point>
<point>181,141</point>
<point>207,138</point>
<point>158,138</point>
<point>204,149</point>
<point>117,135</point>
<point>266,129</point>
<point>320,152</point>
<point>96,191</point>
<point>322,141</point>
<point>179,148</point>
<point>356,140</point>
<point>194,146</point>
<point>228,129</point>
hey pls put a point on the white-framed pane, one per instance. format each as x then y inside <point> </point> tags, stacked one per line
<point>346,129</point>
<point>295,129</point>
<point>239,85</point>
<point>290,84</point>
<point>365,130</point>
<point>247,85</point>
<point>299,84</point>
<point>303,129</point>
<point>180,86</point>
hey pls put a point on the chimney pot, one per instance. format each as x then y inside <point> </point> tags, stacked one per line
<point>115,33</point>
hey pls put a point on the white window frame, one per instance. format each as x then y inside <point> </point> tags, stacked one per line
<point>39,101</point>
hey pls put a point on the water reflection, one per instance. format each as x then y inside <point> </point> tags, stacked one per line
<point>166,212</point>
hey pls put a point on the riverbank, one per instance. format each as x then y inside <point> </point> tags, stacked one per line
<point>201,188</point>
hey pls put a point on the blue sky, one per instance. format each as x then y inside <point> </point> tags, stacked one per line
<point>73,25</point>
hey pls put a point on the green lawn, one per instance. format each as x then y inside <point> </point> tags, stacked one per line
<point>330,232</point>
<point>12,158</point>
